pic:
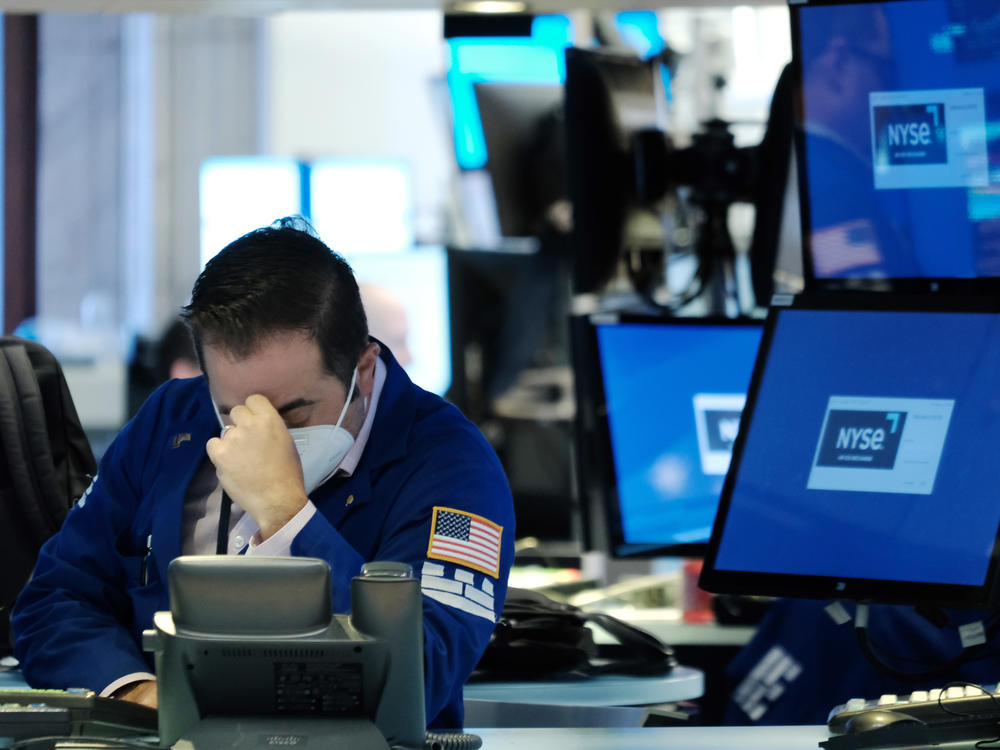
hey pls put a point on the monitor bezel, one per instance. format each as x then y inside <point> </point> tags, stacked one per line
<point>888,591</point>
<point>600,475</point>
<point>974,285</point>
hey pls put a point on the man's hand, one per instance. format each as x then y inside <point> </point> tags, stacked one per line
<point>258,465</point>
<point>142,692</point>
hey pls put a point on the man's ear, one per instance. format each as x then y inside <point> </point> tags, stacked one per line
<point>366,368</point>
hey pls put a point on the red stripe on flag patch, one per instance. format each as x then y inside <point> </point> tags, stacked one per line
<point>466,539</point>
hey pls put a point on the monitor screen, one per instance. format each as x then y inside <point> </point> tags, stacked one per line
<point>899,144</point>
<point>237,194</point>
<point>866,462</point>
<point>505,92</point>
<point>362,204</point>
<point>668,398</point>
<point>522,127</point>
<point>533,59</point>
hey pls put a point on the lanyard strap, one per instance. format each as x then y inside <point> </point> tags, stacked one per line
<point>222,540</point>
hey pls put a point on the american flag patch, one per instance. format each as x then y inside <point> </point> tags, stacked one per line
<point>842,247</point>
<point>466,539</point>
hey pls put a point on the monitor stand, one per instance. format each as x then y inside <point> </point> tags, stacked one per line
<point>241,732</point>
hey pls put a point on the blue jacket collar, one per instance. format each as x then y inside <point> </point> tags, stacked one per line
<point>394,416</point>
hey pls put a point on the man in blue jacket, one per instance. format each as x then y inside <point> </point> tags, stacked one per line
<point>304,437</point>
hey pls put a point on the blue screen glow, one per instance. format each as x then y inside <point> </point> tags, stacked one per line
<point>871,449</point>
<point>901,123</point>
<point>535,59</point>
<point>640,29</point>
<point>674,393</point>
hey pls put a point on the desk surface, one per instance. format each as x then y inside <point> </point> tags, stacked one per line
<point>683,683</point>
<point>651,738</point>
<point>655,738</point>
<point>11,679</point>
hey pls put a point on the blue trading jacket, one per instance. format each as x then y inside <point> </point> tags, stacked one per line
<point>79,621</point>
<point>800,664</point>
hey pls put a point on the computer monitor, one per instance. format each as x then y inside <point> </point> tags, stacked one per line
<point>506,203</point>
<point>898,141</point>
<point>865,466</point>
<point>610,96</point>
<point>505,77</point>
<point>522,127</point>
<point>659,402</point>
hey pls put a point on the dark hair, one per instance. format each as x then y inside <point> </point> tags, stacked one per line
<point>859,24</point>
<point>274,280</point>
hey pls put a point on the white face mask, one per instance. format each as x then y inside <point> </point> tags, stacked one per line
<point>321,447</point>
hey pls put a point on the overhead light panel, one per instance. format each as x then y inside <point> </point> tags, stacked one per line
<point>489,6</point>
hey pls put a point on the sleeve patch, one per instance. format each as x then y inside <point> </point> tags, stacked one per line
<point>83,498</point>
<point>458,592</point>
<point>466,539</point>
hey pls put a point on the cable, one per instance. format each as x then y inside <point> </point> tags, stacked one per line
<point>940,672</point>
<point>981,744</point>
<point>991,626</point>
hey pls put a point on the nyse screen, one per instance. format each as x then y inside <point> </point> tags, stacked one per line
<point>673,395</point>
<point>871,449</point>
<point>901,137</point>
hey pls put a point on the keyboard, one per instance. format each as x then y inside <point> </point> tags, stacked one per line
<point>65,713</point>
<point>954,713</point>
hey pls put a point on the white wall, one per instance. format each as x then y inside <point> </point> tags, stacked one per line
<point>129,108</point>
<point>365,83</point>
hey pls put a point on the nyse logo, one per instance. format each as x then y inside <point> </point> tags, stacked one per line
<point>723,426</point>
<point>861,439</point>
<point>911,134</point>
<point>717,421</point>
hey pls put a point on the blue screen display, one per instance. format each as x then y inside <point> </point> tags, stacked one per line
<point>674,394</point>
<point>901,123</point>
<point>871,450</point>
<point>535,59</point>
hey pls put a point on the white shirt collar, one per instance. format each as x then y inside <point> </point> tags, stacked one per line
<point>353,457</point>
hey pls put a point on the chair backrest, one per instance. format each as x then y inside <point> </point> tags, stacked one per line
<point>46,461</point>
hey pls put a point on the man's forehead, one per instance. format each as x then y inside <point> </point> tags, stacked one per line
<point>284,369</point>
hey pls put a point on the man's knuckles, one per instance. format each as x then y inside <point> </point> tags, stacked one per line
<point>260,405</point>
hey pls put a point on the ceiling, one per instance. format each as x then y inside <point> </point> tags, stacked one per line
<point>265,7</point>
